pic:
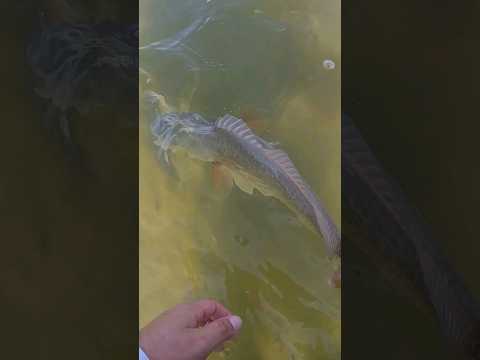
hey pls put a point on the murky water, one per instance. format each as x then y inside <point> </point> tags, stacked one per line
<point>277,65</point>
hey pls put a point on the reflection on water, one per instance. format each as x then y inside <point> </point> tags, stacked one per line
<point>380,221</point>
<point>62,269</point>
<point>262,61</point>
<point>80,70</point>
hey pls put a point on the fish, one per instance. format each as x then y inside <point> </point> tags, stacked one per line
<point>252,162</point>
<point>379,219</point>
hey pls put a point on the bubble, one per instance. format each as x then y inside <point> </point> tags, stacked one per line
<point>328,64</point>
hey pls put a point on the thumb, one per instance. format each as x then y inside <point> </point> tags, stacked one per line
<point>215,333</point>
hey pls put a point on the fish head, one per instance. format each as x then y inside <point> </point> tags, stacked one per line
<point>188,131</point>
<point>193,123</point>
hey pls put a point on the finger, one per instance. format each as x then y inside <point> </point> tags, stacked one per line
<point>205,311</point>
<point>215,333</point>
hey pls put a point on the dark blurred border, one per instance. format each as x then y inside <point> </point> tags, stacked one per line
<point>69,258</point>
<point>410,74</point>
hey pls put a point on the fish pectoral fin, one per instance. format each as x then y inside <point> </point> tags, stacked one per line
<point>243,184</point>
<point>222,179</point>
<point>249,184</point>
<point>264,189</point>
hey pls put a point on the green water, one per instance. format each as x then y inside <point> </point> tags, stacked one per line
<point>247,251</point>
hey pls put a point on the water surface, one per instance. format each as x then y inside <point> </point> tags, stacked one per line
<point>262,61</point>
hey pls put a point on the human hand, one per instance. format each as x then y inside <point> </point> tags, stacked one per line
<point>189,331</point>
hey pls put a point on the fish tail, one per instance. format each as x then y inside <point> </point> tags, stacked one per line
<point>328,230</point>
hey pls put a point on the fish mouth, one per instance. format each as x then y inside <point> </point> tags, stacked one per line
<point>167,127</point>
<point>172,130</point>
<point>164,129</point>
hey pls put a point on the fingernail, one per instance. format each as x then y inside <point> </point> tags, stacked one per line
<point>235,321</point>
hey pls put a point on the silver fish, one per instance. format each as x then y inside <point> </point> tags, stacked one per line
<point>252,162</point>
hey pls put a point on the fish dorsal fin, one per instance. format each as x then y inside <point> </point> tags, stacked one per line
<point>325,225</point>
<point>239,129</point>
<point>281,158</point>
